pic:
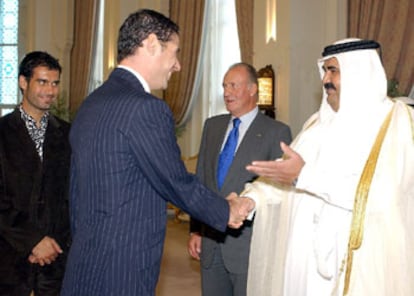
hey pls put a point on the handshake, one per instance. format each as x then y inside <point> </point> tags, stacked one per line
<point>240,208</point>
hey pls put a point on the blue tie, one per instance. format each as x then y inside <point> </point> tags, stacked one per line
<point>227,154</point>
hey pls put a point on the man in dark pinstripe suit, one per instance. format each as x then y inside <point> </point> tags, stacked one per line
<point>126,165</point>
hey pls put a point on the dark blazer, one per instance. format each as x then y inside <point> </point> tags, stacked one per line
<point>33,194</point>
<point>261,142</point>
<point>126,165</point>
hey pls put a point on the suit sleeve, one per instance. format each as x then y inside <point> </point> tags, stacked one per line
<point>15,227</point>
<point>73,197</point>
<point>154,144</point>
<point>196,225</point>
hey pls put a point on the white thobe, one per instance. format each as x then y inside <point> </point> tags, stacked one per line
<point>302,252</point>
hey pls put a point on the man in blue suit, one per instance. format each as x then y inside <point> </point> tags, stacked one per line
<point>126,165</point>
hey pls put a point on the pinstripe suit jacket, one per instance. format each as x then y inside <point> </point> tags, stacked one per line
<point>261,142</point>
<point>125,166</point>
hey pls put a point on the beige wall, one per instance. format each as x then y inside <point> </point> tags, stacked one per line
<point>47,25</point>
<point>303,29</point>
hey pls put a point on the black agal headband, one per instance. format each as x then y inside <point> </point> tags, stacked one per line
<point>349,46</point>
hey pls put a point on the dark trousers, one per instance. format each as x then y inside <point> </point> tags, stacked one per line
<point>217,280</point>
<point>41,280</point>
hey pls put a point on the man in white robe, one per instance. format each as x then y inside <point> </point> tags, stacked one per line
<point>344,190</point>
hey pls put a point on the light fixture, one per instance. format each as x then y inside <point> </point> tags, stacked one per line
<point>270,20</point>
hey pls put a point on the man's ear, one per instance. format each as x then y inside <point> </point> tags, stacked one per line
<point>22,82</point>
<point>151,43</point>
<point>253,89</point>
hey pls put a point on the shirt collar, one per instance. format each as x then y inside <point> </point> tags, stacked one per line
<point>138,76</point>
<point>27,117</point>
<point>247,118</point>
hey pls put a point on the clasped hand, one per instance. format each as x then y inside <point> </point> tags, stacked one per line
<point>45,252</point>
<point>240,207</point>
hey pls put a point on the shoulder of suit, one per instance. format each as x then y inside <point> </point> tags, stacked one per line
<point>59,123</point>
<point>125,77</point>
<point>10,117</point>
<point>271,122</point>
<point>218,118</point>
<point>131,89</point>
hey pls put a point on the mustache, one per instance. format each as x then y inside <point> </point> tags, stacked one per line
<point>329,85</point>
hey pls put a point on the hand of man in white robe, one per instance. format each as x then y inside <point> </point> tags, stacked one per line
<point>284,170</point>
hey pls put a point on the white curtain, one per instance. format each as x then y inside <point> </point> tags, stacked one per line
<point>219,50</point>
<point>96,77</point>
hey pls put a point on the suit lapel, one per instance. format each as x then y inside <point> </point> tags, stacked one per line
<point>53,144</point>
<point>218,132</point>
<point>253,137</point>
<point>22,136</point>
<point>251,142</point>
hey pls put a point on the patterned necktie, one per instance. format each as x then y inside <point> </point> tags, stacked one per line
<point>227,154</point>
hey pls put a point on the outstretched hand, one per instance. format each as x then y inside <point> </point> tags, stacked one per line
<point>284,171</point>
<point>240,207</point>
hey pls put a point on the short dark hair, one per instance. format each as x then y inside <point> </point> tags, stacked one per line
<point>37,59</point>
<point>138,26</point>
<point>251,71</point>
